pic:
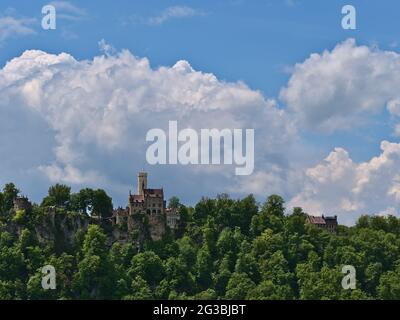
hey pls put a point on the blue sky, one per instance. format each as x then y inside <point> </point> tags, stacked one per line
<point>249,40</point>
<point>255,42</point>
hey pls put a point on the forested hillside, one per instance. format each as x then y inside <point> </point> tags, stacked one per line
<point>223,249</point>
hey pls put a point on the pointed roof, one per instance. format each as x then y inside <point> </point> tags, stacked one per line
<point>316,219</point>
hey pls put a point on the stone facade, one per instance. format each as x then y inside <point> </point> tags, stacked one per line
<point>145,217</point>
<point>148,206</point>
<point>173,217</point>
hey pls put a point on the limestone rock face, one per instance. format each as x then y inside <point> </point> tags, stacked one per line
<point>53,225</point>
<point>60,227</point>
<point>156,227</point>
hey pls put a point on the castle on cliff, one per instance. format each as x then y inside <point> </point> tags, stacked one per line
<point>150,205</point>
<point>146,216</point>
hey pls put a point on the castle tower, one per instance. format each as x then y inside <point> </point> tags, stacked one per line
<point>142,182</point>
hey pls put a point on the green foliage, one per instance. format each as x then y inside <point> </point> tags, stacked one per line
<point>1,203</point>
<point>59,195</point>
<point>174,203</point>
<point>19,217</point>
<point>239,286</point>
<point>223,249</point>
<point>140,290</point>
<point>204,267</point>
<point>10,192</point>
<point>389,285</point>
<point>95,276</point>
<point>208,294</point>
<point>148,266</point>
<point>267,290</point>
<point>96,200</point>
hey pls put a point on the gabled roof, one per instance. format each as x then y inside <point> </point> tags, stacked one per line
<point>316,220</point>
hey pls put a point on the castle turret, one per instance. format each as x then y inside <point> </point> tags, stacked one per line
<point>142,182</point>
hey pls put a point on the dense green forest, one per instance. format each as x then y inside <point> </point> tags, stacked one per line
<point>222,249</point>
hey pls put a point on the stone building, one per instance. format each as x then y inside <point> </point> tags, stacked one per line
<point>146,205</point>
<point>146,201</point>
<point>120,216</point>
<point>173,217</point>
<point>328,223</point>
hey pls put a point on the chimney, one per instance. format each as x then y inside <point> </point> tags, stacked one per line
<point>142,182</point>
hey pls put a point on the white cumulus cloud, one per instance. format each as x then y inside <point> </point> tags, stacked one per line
<point>338,185</point>
<point>338,89</point>
<point>98,112</point>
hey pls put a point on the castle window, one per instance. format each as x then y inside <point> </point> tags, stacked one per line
<point>154,211</point>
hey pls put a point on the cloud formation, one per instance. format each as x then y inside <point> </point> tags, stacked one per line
<point>85,122</point>
<point>68,11</point>
<point>174,12</point>
<point>100,110</point>
<point>11,26</point>
<point>341,186</point>
<point>338,89</point>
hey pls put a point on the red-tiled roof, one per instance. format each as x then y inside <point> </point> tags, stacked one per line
<point>316,220</point>
<point>147,193</point>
